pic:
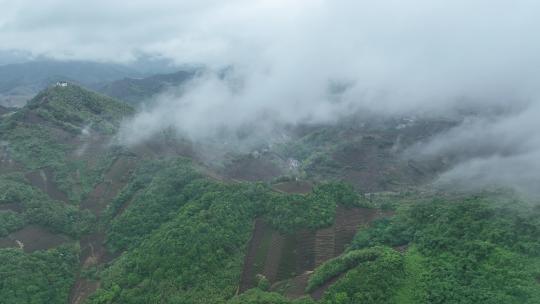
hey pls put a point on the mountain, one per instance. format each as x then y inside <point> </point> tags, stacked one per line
<point>21,81</point>
<point>137,90</point>
<point>333,214</point>
<point>76,109</point>
<point>55,123</point>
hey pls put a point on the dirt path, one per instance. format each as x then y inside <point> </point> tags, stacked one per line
<point>93,250</point>
<point>84,288</point>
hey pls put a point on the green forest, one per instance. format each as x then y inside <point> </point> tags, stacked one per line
<point>146,225</point>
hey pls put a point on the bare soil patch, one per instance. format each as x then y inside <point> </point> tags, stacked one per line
<point>82,289</point>
<point>372,165</point>
<point>249,272</point>
<point>44,180</point>
<point>115,179</point>
<point>162,148</point>
<point>325,243</point>
<point>60,135</point>
<point>299,187</point>
<point>293,288</point>
<point>349,220</point>
<point>252,169</point>
<point>274,257</point>
<point>32,238</point>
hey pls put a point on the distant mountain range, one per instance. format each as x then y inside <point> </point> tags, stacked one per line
<point>137,90</point>
<point>19,82</point>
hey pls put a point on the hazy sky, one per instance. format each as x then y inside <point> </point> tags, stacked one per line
<point>393,56</point>
<point>407,51</point>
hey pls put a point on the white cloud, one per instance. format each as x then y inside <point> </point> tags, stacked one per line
<point>396,57</point>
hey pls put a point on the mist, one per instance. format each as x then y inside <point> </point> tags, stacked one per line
<point>391,59</point>
<point>276,63</point>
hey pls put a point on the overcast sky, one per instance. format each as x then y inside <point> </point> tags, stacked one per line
<point>393,56</point>
<point>409,51</point>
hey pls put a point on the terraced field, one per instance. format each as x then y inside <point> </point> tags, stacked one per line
<point>287,260</point>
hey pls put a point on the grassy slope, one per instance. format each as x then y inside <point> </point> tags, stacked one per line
<point>39,277</point>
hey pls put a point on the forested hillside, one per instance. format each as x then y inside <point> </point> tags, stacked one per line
<point>332,215</point>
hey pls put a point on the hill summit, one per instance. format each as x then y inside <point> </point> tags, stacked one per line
<point>74,108</point>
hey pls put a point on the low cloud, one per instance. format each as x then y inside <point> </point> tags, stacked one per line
<point>317,61</point>
<point>498,150</point>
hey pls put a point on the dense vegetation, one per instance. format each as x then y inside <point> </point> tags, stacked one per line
<point>49,133</point>
<point>38,208</point>
<point>196,257</point>
<point>374,281</point>
<point>257,296</point>
<point>476,251</point>
<point>39,277</point>
<point>181,237</point>
<point>334,267</point>
<point>468,250</point>
<point>41,142</point>
<point>154,196</point>
<point>186,235</point>
<point>31,145</point>
<point>74,109</point>
<point>289,213</point>
<point>10,221</point>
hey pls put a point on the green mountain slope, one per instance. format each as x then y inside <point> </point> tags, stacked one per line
<point>74,109</point>
<point>54,122</point>
<point>333,215</point>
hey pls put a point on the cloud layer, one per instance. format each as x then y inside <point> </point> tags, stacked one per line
<point>315,61</point>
